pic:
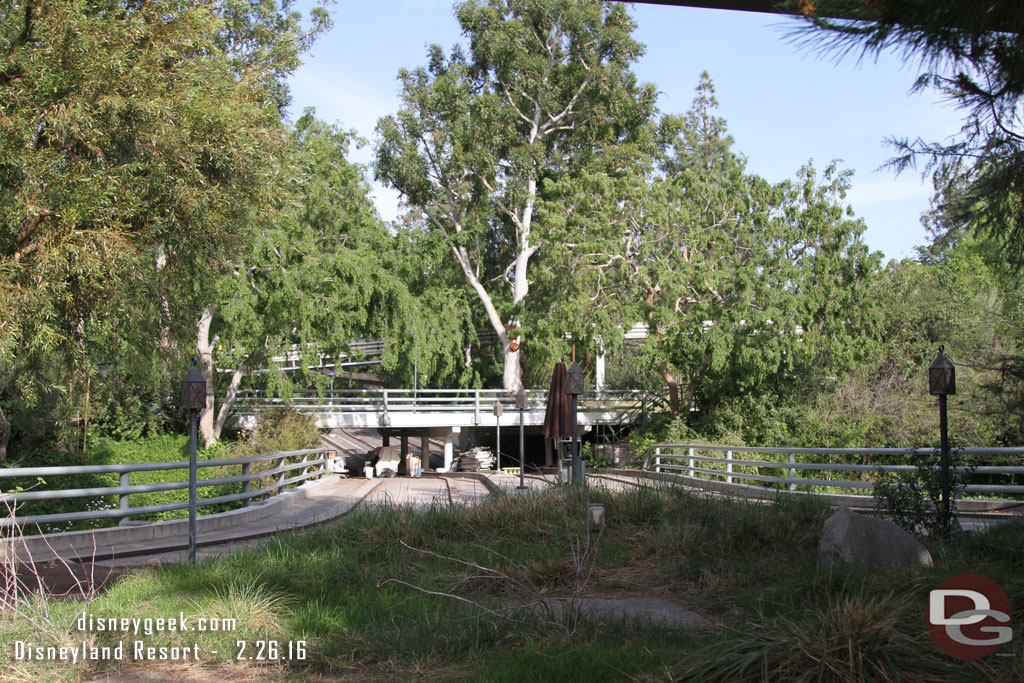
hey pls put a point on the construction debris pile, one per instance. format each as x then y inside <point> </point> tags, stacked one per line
<point>479,458</point>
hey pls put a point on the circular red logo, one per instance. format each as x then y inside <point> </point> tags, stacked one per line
<point>969,616</point>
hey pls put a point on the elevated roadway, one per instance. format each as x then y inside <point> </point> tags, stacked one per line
<point>443,413</point>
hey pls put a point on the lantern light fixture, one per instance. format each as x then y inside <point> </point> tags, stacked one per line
<point>574,380</point>
<point>942,375</point>
<point>193,389</point>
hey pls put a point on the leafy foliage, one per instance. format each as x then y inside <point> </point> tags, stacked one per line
<point>280,429</point>
<point>973,57</point>
<point>483,139</point>
<point>749,290</point>
<point>912,499</point>
<point>313,279</point>
<point>139,142</point>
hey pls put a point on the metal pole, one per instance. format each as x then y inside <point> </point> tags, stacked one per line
<point>577,465</point>
<point>522,453</point>
<point>944,464</point>
<point>193,437</point>
<point>497,467</point>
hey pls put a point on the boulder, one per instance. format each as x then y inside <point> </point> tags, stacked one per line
<point>867,542</point>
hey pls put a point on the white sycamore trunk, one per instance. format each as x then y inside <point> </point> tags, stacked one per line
<point>205,348</point>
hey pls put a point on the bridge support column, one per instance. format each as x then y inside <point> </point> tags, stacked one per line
<point>449,448</point>
<point>425,452</point>
<point>403,454</point>
<point>386,440</point>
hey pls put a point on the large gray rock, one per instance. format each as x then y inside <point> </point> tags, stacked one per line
<point>867,542</point>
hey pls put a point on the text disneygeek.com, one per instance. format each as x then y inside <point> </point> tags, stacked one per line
<point>121,650</point>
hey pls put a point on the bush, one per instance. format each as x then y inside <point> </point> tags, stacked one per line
<point>593,461</point>
<point>280,429</point>
<point>912,500</point>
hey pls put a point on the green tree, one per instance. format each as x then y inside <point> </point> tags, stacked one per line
<point>312,281</point>
<point>748,289</point>
<point>137,143</point>
<point>973,54</point>
<point>545,89</point>
<point>443,332</point>
<point>956,302</point>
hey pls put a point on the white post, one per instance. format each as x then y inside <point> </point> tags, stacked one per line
<point>599,366</point>
<point>449,449</point>
<point>792,472</point>
<point>657,459</point>
<point>728,466</point>
<point>691,463</point>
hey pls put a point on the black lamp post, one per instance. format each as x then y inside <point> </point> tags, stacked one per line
<point>193,397</point>
<point>942,383</point>
<point>521,407</point>
<point>574,387</point>
<point>497,421</point>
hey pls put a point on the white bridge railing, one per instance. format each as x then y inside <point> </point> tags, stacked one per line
<point>776,467</point>
<point>615,406</point>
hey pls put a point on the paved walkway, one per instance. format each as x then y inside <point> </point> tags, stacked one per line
<point>300,508</point>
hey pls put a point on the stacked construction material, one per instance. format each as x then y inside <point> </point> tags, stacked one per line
<point>467,463</point>
<point>479,458</point>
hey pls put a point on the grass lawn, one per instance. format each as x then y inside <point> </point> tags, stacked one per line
<point>360,599</point>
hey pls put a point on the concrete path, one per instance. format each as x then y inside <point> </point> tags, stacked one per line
<point>298,509</point>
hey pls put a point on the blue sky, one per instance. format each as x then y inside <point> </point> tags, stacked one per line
<point>784,106</point>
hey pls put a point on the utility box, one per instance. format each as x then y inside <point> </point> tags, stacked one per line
<point>564,470</point>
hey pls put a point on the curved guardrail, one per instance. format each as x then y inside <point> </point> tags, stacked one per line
<point>286,461</point>
<point>698,461</point>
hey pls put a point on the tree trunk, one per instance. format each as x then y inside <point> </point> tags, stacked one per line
<point>691,382</point>
<point>512,379</point>
<point>513,375</point>
<point>205,349</point>
<point>673,387</point>
<point>5,434</point>
<point>229,396</point>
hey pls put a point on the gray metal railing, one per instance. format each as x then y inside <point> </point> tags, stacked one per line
<point>311,463</point>
<point>698,461</point>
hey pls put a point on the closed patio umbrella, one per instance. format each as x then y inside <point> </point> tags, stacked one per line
<point>558,416</point>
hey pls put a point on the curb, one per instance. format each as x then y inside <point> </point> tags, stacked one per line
<point>475,476</point>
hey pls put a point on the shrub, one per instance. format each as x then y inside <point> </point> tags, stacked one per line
<point>281,429</point>
<point>912,500</point>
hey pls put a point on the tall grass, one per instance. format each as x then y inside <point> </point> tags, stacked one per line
<point>751,568</point>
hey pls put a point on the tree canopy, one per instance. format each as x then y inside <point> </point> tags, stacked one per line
<point>973,54</point>
<point>131,134</point>
<point>544,90</point>
<point>157,204</point>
